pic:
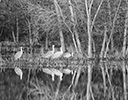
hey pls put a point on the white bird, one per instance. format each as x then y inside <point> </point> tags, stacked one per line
<point>67,55</point>
<point>49,53</point>
<point>57,54</point>
<point>49,71</point>
<point>57,73</point>
<point>67,71</point>
<point>18,54</point>
<point>19,72</point>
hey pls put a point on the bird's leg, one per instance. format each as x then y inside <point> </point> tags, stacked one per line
<point>61,77</point>
<point>53,77</point>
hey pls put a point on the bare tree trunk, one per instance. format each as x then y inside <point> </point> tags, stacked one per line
<point>77,40</point>
<point>126,21</point>
<point>59,21</point>
<point>124,52</point>
<point>30,36</point>
<point>74,41</point>
<point>90,24</point>
<point>74,34</point>
<point>88,12</point>
<point>113,25</point>
<point>94,48</point>
<point>46,41</point>
<point>62,39</point>
<point>124,66</point>
<point>29,28</point>
<point>107,44</point>
<point>17,29</point>
<point>101,63</point>
<point>110,23</point>
<point>112,43</point>
<point>75,31</point>
<point>73,19</point>
<point>13,35</point>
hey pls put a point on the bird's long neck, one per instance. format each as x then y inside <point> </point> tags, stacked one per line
<point>61,49</point>
<point>53,49</point>
<point>21,50</point>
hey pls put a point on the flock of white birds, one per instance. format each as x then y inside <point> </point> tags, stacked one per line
<point>50,54</point>
<point>54,55</point>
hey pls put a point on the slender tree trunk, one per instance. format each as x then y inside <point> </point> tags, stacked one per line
<point>126,27</point>
<point>73,19</point>
<point>13,35</point>
<point>124,66</point>
<point>17,29</point>
<point>90,24</point>
<point>78,40</point>
<point>88,12</point>
<point>113,25</point>
<point>94,48</point>
<point>46,41</point>
<point>59,27</point>
<point>109,39</point>
<point>110,23</point>
<point>62,39</point>
<point>74,41</point>
<point>30,37</point>
<point>74,34</point>
<point>101,63</point>
<point>124,52</point>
